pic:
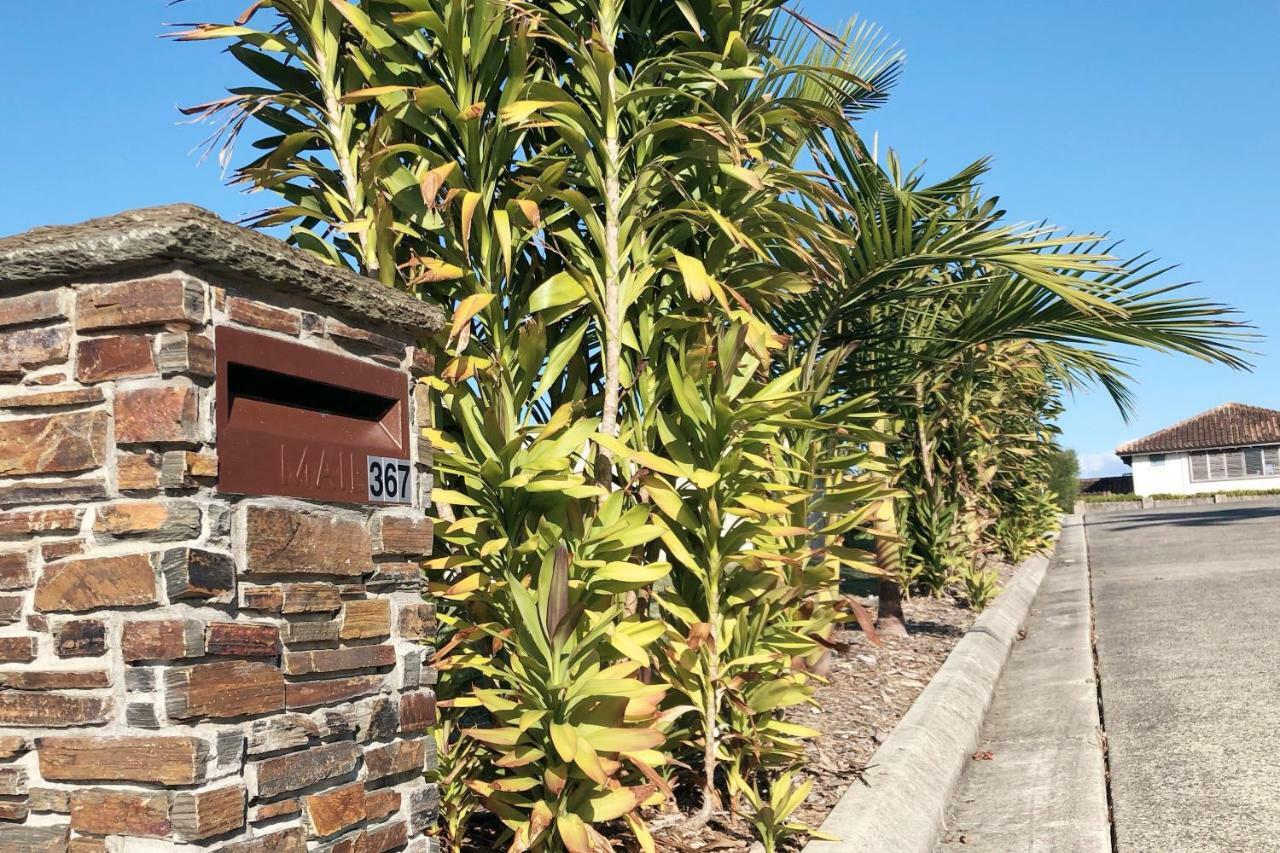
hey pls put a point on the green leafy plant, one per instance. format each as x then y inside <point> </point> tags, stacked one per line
<point>681,371</point>
<point>980,584</point>
<point>770,815</point>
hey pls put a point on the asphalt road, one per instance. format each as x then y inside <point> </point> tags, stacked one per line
<point>1187,610</point>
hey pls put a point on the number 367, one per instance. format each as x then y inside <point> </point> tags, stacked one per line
<point>388,480</point>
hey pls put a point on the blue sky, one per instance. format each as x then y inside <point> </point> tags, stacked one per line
<point>1157,122</point>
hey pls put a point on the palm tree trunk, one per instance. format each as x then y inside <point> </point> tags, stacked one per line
<point>612,344</point>
<point>890,620</point>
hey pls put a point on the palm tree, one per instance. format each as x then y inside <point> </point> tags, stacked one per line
<point>929,273</point>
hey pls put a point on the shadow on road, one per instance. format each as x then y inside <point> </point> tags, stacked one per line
<point>1208,517</point>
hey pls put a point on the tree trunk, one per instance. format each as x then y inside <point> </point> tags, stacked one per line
<point>612,344</point>
<point>890,620</point>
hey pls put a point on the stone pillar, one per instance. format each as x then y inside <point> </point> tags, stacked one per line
<point>182,668</point>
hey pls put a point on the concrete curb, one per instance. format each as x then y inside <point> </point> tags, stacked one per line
<point>912,776</point>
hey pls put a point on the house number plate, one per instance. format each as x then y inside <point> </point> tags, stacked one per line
<point>390,480</point>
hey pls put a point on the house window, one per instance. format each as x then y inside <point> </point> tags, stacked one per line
<point>1237,464</point>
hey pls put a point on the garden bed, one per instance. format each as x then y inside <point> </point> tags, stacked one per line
<point>871,688</point>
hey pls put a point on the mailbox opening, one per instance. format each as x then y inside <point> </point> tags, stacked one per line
<point>300,422</point>
<point>245,382</point>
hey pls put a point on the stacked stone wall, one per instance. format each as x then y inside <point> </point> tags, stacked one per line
<point>181,668</point>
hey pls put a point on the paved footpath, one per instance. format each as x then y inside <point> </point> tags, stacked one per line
<point>1186,613</point>
<point>1187,609</point>
<point>1038,779</point>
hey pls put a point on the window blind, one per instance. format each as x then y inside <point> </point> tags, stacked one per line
<point>1237,464</point>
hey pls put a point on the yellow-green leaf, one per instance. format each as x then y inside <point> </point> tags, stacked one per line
<point>561,289</point>
<point>565,740</point>
<point>697,282</point>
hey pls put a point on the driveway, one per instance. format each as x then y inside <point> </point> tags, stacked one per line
<point>1187,610</point>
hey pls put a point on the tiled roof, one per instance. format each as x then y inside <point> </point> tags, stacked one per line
<point>1229,425</point>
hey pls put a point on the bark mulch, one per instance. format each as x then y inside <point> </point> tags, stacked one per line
<point>870,689</point>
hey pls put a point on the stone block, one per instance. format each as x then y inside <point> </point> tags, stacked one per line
<point>197,815</point>
<point>52,710</point>
<point>15,570</point>
<point>393,759</point>
<point>102,811</point>
<point>78,490</point>
<point>56,800</point>
<point>27,522</point>
<point>297,770</point>
<point>337,660</point>
<point>11,608</point>
<point>14,811</point>
<point>13,745</point>
<point>252,313</point>
<point>141,715</point>
<point>381,803</point>
<point>223,690</point>
<point>311,632</point>
<point>370,340</point>
<point>36,307</point>
<point>229,747</point>
<point>22,350</point>
<point>269,599</point>
<point>40,679</point>
<point>158,521</point>
<point>115,357</point>
<point>242,639</point>
<point>139,679</point>
<point>34,839</point>
<point>377,719</point>
<point>309,694</point>
<point>417,711</point>
<point>335,810</point>
<point>194,573</point>
<point>286,731</point>
<point>292,840</point>
<point>185,353</point>
<point>13,781</point>
<point>138,471</point>
<point>411,669</point>
<point>393,836</point>
<point>162,760</point>
<point>366,619</point>
<point>61,443</point>
<point>80,638</point>
<point>87,844</point>
<point>18,649</point>
<point>352,842</point>
<point>424,806</point>
<point>52,552</point>
<point>52,399</point>
<point>391,576</point>
<point>418,621</point>
<point>183,469</point>
<point>157,414</point>
<point>161,639</point>
<point>143,302</point>
<point>401,535</point>
<point>284,541</point>
<point>310,598</point>
<point>274,811</point>
<point>88,583</point>
<point>45,378</point>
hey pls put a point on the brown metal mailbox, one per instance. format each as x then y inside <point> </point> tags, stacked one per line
<point>300,422</point>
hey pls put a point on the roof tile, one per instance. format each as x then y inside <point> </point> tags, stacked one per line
<point>1229,425</point>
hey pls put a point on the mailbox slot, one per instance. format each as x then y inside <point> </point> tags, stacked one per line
<point>300,422</point>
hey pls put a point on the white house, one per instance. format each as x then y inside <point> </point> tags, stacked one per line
<point>1229,448</point>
